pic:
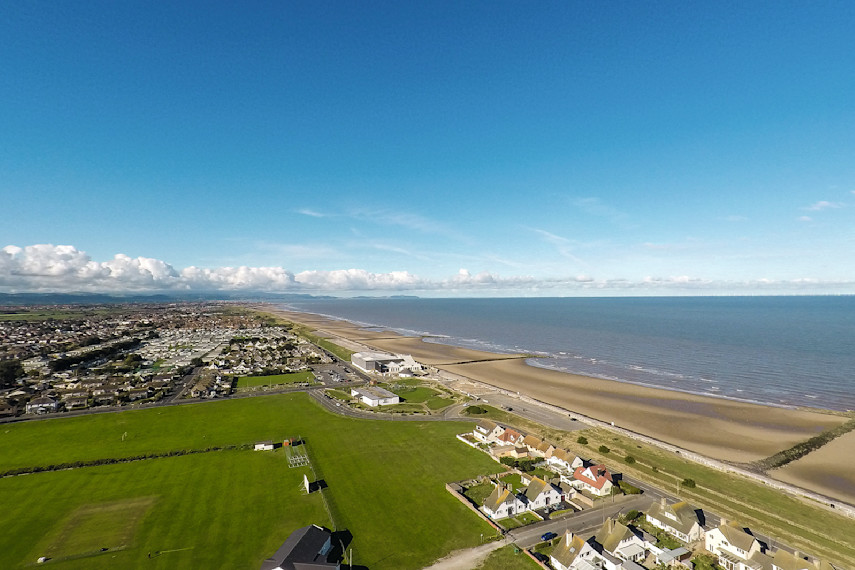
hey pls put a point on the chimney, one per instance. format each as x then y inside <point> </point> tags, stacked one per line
<point>664,502</point>
<point>569,536</point>
<point>723,521</point>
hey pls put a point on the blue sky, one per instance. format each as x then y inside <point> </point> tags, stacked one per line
<point>437,148</point>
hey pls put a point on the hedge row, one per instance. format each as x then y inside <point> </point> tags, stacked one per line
<point>114,460</point>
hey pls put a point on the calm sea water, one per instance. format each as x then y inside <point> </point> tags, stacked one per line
<point>778,350</point>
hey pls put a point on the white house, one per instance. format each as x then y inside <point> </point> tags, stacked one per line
<point>41,405</point>
<point>564,460</point>
<point>571,552</point>
<point>487,431</point>
<point>679,519</point>
<point>595,479</point>
<point>621,541</point>
<point>733,546</point>
<point>264,446</point>
<point>375,396</point>
<point>502,503</point>
<point>539,494</point>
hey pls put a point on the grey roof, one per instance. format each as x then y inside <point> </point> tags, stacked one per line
<point>304,550</point>
<point>685,514</point>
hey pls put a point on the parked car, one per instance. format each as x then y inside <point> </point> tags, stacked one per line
<point>548,536</point>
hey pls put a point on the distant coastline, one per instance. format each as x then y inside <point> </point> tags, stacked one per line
<point>785,352</point>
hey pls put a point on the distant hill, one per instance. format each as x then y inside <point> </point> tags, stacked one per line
<point>103,298</point>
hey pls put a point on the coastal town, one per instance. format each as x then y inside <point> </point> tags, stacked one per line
<point>561,509</point>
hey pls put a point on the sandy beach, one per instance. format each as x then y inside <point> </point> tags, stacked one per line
<point>830,470</point>
<point>723,429</point>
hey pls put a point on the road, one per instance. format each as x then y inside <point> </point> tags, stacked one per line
<point>533,412</point>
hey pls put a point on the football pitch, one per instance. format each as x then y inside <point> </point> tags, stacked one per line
<point>232,508</point>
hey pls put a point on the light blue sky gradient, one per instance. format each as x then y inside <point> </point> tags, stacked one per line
<point>545,148</point>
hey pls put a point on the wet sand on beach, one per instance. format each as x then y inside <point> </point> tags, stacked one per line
<point>829,470</point>
<point>723,429</point>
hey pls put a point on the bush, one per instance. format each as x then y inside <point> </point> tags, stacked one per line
<point>582,440</point>
<point>688,483</point>
<point>632,515</point>
<point>475,410</point>
<point>604,449</point>
<point>628,488</point>
<point>629,459</point>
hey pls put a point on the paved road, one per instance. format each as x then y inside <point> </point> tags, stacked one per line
<point>533,412</point>
<point>582,522</point>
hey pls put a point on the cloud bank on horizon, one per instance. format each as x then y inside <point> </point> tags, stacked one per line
<point>66,269</point>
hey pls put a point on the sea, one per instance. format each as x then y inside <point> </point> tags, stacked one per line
<point>783,351</point>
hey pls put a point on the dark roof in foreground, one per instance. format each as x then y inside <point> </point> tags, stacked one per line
<point>304,550</point>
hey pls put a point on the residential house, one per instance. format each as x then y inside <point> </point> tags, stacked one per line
<point>515,451</point>
<point>502,503</point>
<point>487,431</point>
<point>570,552</point>
<point>679,519</point>
<point>564,460</point>
<point>41,405</point>
<point>532,442</point>
<point>595,479</point>
<point>622,541</point>
<point>545,449</point>
<point>510,436</point>
<point>733,545</point>
<point>539,494</point>
<point>307,548</point>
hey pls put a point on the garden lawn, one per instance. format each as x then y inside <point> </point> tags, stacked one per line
<point>276,379</point>
<point>416,395</point>
<point>386,482</point>
<point>439,402</point>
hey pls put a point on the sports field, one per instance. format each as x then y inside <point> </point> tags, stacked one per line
<point>231,509</point>
<point>275,379</point>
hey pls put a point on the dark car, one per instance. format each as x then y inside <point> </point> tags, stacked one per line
<point>548,536</point>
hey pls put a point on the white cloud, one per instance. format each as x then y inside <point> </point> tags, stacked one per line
<point>64,268</point>
<point>312,213</point>
<point>823,205</point>
<point>805,219</point>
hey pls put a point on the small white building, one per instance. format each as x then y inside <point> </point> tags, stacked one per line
<point>374,396</point>
<point>264,446</point>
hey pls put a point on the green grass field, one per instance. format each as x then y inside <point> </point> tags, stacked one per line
<point>415,395</point>
<point>231,509</point>
<point>508,557</point>
<point>438,403</point>
<point>276,379</point>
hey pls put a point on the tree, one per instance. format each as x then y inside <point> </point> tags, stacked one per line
<point>604,449</point>
<point>688,483</point>
<point>629,459</point>
<point>582,440</point>
<point>10,370</point>
<point>196,361</point>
